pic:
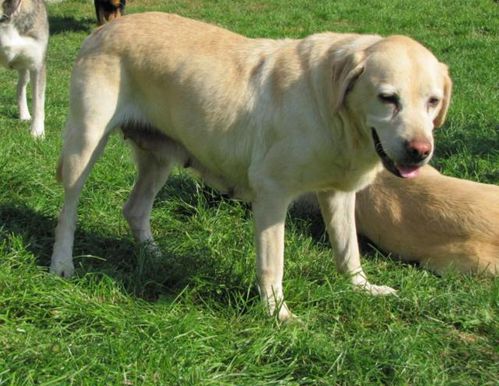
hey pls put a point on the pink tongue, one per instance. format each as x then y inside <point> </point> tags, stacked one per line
<point>408,171</point>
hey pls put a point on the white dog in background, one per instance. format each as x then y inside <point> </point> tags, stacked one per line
<point>24,34</point>
<point>265,120</point>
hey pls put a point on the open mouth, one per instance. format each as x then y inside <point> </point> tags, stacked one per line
<point>402,171</point>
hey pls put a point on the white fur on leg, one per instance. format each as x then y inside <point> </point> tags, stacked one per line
<point>22,102</point>
<point>38,84</point>
<point>62,267</point>
<point>152,175</point>
<point>62,259</point>
<point>269,212</point>
<point>74,169</point>
<point>360,282</point>
<point>275,304</point>
<point>338,211</point>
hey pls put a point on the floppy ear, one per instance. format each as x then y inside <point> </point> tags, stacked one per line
<point>440,118</point>
<point>346,69</point>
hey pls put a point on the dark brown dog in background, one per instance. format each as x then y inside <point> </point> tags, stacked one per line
<point>107,10</point>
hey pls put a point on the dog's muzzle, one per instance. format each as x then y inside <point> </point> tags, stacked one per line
<point>407,169</point>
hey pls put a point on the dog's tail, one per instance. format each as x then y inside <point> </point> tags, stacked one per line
<point>58,172</point>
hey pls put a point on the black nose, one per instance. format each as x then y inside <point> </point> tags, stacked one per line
<point>418,150</point>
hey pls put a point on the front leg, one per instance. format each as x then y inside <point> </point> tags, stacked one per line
<point>38,79</point>
<point>269,215</point>
<point>338,211</point>
<point>22,103</point>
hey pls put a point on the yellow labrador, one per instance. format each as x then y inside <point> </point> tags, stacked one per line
<point>442,222</point>
<point>265,120</point>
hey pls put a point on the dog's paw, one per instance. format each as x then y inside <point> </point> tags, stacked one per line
<point>37,132</point>
<point>281,311</point>
<point>151,248</point>
<point>376,290</point>
<point>285,315</point>
<point>360,283</point>
<point>25,116</point>
<point>62,268</point>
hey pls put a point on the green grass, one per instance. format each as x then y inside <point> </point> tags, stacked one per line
<point>193,316</point>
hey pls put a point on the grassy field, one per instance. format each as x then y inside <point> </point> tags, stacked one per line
<point>193,316</point>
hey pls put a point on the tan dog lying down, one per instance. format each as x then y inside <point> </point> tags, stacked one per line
<point>441,222</point>
<point>266,120</point>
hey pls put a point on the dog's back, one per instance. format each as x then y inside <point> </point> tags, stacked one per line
<point>439,221</point>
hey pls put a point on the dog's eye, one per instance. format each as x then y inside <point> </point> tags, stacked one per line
<point>389,98</point>
<point>433,102</point>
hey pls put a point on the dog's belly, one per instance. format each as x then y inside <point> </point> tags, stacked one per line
<point>216,145</point>
<point>166,150</point>
<point>19,52</point>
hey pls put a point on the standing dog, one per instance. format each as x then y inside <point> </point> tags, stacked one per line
<point>24,33</point>
<point>265,120</point>
<point>107,10</point>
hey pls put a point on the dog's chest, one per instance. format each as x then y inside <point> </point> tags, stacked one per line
<point>17,51</point>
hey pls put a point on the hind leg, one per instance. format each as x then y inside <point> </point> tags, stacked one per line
<point>82,148</point>
<point>152,175</point>
<point>94,113</point>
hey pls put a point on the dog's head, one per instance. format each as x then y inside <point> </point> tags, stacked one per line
<point>8,8</point>
<point>108,10</point>
<point>399,92</point>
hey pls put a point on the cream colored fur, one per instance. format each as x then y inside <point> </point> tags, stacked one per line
<point>265,120</point>
<point>442,222</point>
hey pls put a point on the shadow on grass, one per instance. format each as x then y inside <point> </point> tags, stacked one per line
<point>8,111</point>
<point>63,24</point>
<point>8,104</point>
<point>472,151</point>
<point>141,273</point>
<point>148,275</point>
<point>307,218</point>
<point>473,137</point>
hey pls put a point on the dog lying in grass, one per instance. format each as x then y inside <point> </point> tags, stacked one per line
<point>265,120</point>
<point>441,222</point>
<point>24,34</point>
